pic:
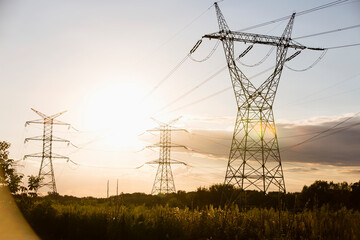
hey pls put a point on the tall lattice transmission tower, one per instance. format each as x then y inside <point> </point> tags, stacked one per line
<point>254,159</point>
<point>164,180</point>
<point>46,172</point>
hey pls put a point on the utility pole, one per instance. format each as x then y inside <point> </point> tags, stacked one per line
<point>164,181</point>
<point>117,187</point>
<point>254,159</point>
<point>107,189</point>
<point>46,172</point>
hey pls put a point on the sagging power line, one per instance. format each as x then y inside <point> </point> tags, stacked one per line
<point>331,4</point>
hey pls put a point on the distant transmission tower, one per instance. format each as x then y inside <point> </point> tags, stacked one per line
<point>164,180</point>
<point>46,172</point>
<point>254,159</point>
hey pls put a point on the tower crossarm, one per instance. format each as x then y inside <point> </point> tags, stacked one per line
<point>41,138</point>
<point>257,39</point>
<point>39,155</point>
<point>47,120</point>
<point>173,161</point>
<point>170,129</point>
<point>38,121</point>
<point>170,162</point>
<point>57,122</point>
<point>34,155</point>
<point>58,156</point>
<point>48,117</point>
<point>159,145</point>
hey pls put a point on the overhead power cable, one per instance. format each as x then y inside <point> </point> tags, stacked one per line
<point>193,89</point>
<point>313,138</point>
<point>261,61</point>
<point>259,25</point>
<point>181,62</point>
<point>331,4</point>
<point>201,100</point>
<point>344,46</point>
<point>167,76</point>
<point>187,26</point>
<point>316,93</point>
<point>97,166</point>
<point>218,92</point>
<point>225,89</point>
<point>327,32</point>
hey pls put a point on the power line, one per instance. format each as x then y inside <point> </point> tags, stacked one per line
<point>186,26</point>
<point>322,90</point>
<point>182,61</point>
<point>320,133</point>
<point>333,95</point>
<point>282,137</point>
<point>218,92</point>
<point>344,46</point>
<point>228,88</point>
<point>327,32</point>
<point>206,80</point>
<point>193,89</point>
<point>202,99</point>
<point>298,14</point>
<point>99,166</point>
<point>166,77</point>
<point>212,140</point>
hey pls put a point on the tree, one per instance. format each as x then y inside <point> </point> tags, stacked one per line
<point>33,184</point>
<point>8,175</point>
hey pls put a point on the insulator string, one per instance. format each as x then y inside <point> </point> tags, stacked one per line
<point>311,66</point>
<point>208,56</point>
<point>260,62</point>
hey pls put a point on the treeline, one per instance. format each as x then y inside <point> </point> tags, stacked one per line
<point>318,194</point>
<point>323,210</point>
<point>335,195</point>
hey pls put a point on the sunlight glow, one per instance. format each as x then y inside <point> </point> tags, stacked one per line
<point>116,112</point>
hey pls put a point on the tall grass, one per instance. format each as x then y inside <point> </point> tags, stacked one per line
<point>114,221</point>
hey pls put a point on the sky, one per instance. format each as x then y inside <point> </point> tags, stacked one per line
<point>112,66</point>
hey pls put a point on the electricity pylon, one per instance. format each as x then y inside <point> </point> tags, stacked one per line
<point>164,180</point>
<point>46,172</point>
<point>254,159</point>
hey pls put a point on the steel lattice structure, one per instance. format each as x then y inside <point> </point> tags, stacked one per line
<point>46,171</point>
<point>254,159</point>
<point>164,180</point>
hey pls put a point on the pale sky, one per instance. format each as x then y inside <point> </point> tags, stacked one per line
<point>99,59</point>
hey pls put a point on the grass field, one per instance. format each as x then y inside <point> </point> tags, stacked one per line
<point>110,219</point>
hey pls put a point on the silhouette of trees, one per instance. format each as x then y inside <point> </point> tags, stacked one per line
<point>8,175</point>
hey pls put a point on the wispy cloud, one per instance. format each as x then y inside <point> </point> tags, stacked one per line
<point>351,171</point>
<point>302,169</point>
<point>339,146</point>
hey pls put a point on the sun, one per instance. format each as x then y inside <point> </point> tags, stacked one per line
<point>117,112</point>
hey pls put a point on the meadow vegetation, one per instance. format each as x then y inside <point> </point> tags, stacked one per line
<point>323,210</point>
<point>320,211</point>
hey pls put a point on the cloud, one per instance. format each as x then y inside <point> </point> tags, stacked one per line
<point>336,146</point>
<point>302,169</point>
<point>351,171</point>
